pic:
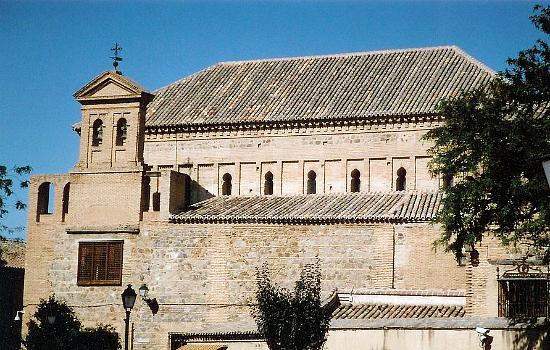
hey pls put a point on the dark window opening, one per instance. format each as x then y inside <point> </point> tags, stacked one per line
<point>355,181</point>
<point>65,207</point>
<point>447,181</point>
<point>268,184</point>
<point>186,190</point>
<point>401,181</point>
<point>121,129</point>
<point>311,182</point>
<point>146,193</point>
<point>100,263</point>
<point>97,133</point>
<point>226,186</point>
<point>45,199</point>
<point>523,298</point>
<point>156,201</point>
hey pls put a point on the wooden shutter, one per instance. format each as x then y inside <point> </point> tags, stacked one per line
<point>100,263</point>
<point>85,263</point>
<point>114,263</point>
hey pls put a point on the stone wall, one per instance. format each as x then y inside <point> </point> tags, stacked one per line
<point>203,276</point>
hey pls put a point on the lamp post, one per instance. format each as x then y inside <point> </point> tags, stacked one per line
<point>128,300</point>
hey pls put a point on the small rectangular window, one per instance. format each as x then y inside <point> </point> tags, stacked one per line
<point>100,263</point>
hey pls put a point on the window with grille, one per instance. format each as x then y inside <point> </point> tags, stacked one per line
<point>100,263</point>
<point>523,298</point>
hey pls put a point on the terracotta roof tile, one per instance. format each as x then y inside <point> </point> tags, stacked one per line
<point>390,311</point>
<point>356,85</point>
<point>344,207</point>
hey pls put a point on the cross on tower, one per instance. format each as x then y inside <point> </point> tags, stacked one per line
<point>116,58</point>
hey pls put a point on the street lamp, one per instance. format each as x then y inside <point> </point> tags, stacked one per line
<point>50,318</point>
<point>128,300</point>
<point>143,291</point>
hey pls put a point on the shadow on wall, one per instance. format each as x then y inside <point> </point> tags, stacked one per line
<point>198,193</point>
<point>535,334</point>
<point>11,301</point>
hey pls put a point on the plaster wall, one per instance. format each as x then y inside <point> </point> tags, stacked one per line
<point>409,339</point>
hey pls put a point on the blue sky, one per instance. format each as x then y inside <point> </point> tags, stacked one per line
<point>49,49</point>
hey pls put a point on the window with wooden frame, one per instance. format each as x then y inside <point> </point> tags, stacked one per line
<point>100,263</point>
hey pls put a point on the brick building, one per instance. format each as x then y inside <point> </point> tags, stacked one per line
<point>190,188</point>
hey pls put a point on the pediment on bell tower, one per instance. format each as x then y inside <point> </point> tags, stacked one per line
<point>109,85</point>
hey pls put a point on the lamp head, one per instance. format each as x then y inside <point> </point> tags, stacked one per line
<point>143,291</point>
<point>128,298</point>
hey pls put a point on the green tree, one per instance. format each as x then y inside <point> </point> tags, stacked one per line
<point>292,321</point>
<point>101,337</point>
<point>7,179</point>
<point>56,327</point>
<point>492,143</point>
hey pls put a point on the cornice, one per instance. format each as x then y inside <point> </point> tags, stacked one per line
<point>293,127</point>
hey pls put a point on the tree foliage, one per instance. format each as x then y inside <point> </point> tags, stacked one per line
<point>64,332</point>
<point>292,321</point>
<point>102,337</point>
<point>7,178</point>
<point>59,334</point>
<point>492,144</point>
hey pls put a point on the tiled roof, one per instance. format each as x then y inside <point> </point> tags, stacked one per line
<point>203,347</point>
<point>12,252</point>
<point>385,311</point>
<point>356,85</point>
<point>317,208</point>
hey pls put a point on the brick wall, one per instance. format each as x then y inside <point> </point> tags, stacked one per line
<point>331,153</point>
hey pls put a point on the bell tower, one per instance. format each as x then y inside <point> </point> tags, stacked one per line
<point>107,182</point>
<point>112,123</point>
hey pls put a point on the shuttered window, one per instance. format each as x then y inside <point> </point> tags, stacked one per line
<point>100,263</point>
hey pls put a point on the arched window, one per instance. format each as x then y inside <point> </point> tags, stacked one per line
<point>268,184</point>
<point>355,181</point>
<point>65,207</point>
<point>121,132</point>
<point>311,182</point>
<point>226,186</point>
<point>401,181</point>
<point>44,200</point>
<point>97,133</point>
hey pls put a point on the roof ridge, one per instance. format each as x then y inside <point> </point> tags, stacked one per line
<point>347,54</point>
<point>474,60</point>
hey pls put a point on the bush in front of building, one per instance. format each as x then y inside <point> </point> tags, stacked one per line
<point>292,320</point>
<point>56,327</point>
